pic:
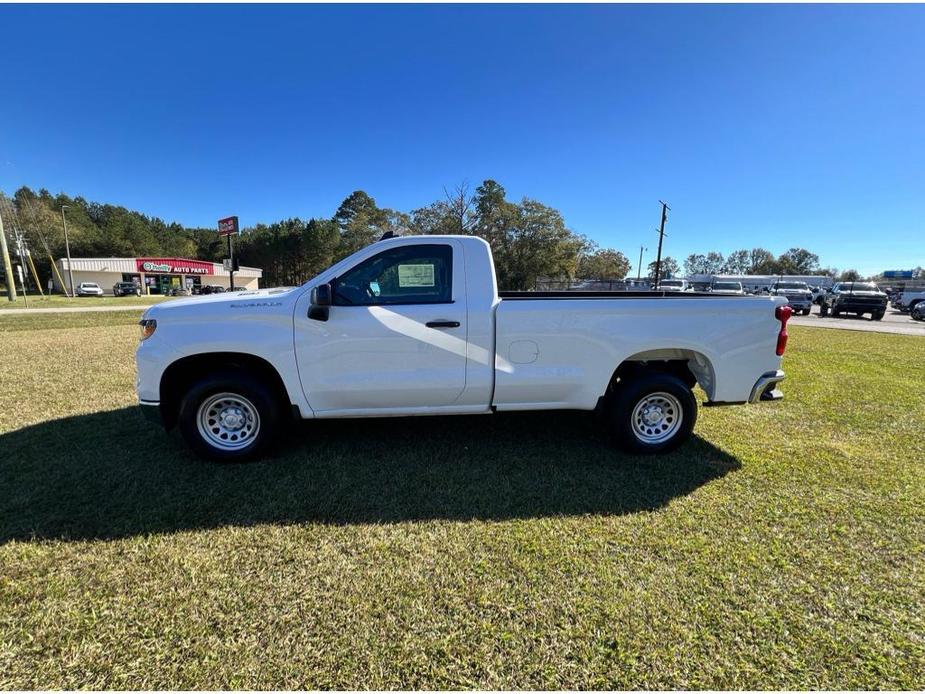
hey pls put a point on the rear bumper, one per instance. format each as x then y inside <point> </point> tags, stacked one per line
<point>765,388</point>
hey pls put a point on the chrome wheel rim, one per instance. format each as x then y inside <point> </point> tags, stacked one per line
<point>228,421</point>
<point>657,417</point>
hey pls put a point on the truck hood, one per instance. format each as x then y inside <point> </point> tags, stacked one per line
<point>864,292</point>
<point>221,304</point>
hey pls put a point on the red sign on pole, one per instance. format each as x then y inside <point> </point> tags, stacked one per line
<point>228,226</point>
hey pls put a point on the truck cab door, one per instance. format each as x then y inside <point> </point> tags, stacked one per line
<point>395,335</point>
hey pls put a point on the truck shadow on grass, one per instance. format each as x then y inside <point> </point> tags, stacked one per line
<point>112,475</point>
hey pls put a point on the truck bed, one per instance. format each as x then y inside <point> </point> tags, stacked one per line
<point>579,294</point>
<point>560,349</point>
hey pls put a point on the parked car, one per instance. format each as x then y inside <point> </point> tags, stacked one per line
<point>126,289</point>
<point>211,289</point>
<point>818,293</point>
<point>918,311</point>
<point>730,288</point>
<point>673,285</point>
<point>415,326</point>
<point>796,293</point>
<point>89,289</point>
<point>854,297</point>
<point>179,291</point>
<point>909,299</point>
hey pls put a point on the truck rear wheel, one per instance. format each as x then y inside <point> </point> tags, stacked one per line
<point>229,416</point>
<point>652,413</point>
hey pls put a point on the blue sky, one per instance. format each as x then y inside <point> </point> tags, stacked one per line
<point>772,126</point>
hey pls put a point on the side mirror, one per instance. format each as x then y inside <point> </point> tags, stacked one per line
<point>321,302</point>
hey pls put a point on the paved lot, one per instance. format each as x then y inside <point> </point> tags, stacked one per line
<point>893,322</point>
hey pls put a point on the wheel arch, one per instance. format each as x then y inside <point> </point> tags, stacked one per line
<point>689,365</point>
<point>177,377</point>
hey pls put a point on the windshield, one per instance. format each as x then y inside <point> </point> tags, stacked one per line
<point>735,286</point>
<point>790,285</point>
<point>858,287</point>
<point>672,283</point>
<point>89,285</point>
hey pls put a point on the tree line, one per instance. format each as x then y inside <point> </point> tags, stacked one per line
<point>529,239</point>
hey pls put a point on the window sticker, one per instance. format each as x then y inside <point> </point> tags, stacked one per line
<point>415,275</point>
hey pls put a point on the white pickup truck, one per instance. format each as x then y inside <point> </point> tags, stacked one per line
<point>416,326</point>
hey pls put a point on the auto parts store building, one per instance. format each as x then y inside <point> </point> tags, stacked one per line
<point>155,275</point>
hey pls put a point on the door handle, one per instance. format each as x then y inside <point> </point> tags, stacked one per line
<point>442,324</point>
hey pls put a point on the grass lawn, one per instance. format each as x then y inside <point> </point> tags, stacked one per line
<point>784,547</point>
<point>30,322</point>
<point>60,301</point>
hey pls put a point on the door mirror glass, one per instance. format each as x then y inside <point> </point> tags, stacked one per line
<point>321,302</point>
<point>321,295</point>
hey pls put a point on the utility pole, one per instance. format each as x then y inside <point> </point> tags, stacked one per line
<point>639,267</point>
<point>67,249</point>
<point>7,265</point>
<point>661,235</point>
<point>231,269</point>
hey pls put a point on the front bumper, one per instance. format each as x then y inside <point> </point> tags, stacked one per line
<point>151,411</point>
<point>765,388</point>
<point>799,302</point>
<point>859,307</point>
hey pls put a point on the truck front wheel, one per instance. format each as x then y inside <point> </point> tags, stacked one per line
<point>229,416</point>
<point>652,413</point>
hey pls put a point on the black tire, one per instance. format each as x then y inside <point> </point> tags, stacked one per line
<point>823,310</point>
<point>877,316</point>
<point>240,385</point>
<point>633,392</point>
<point>805,311</point>
<point>836,313</point>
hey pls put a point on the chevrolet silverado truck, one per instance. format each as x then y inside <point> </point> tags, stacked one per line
<point>798,295</point>
<point>854,297</point>
<point>416,326</point>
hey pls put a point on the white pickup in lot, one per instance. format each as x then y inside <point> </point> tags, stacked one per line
<point>416,326</point>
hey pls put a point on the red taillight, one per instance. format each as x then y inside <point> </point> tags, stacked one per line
<point>782,313</point>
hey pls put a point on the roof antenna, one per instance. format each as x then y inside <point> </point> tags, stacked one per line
<point>387,235</point>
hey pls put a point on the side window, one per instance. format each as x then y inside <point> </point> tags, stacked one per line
<point>419,274</point>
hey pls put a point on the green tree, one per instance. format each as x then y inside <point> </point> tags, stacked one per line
<point>670,268</point>
<point>797,261</point>
<point>737,263</point>
<point>849,276</point>
<point>761,262</point>
<point>695,264</point>
<point>715,263</point>
<point>540,246</point>
<point>603,263</point>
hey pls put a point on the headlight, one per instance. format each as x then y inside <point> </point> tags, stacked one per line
<point>148,327</point>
